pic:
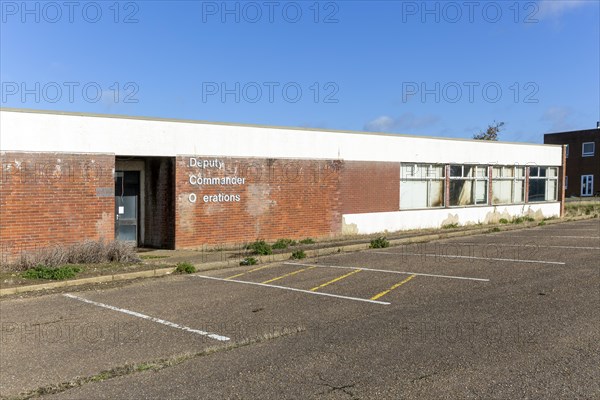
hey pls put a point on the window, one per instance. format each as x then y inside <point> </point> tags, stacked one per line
<point>422,186</point>
<point>508,185</point>
<point>587,185</point>
<point>468,185</point>
<point>543,184</point>
<point>588,149</point>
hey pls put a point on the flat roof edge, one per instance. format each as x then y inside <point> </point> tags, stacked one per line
<point>240,125</point>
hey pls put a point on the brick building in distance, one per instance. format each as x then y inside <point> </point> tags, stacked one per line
<point>582,176</point>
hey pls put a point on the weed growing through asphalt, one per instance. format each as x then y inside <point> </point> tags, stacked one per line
<point>298,255</point>
<point>379,243</point>
<point>249,261</point>
<point>185,268</point>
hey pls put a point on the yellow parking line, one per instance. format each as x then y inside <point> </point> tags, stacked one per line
<point>288,274</point>
<point>392,288</point>
<point>252,270</point>
<point>339,278</point>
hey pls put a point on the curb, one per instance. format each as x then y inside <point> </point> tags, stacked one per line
<point>275,257</point>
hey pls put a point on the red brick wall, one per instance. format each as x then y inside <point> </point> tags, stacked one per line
<point>51,198</point>
<point>279,199</point>
<point>370,187</point>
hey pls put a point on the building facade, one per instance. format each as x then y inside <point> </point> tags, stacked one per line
<point>185,184</point>
<point>582,160</point>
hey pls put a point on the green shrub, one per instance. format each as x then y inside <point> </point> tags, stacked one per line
<point>542,223</point>
<point>495,229</point>
<point>450,226</point>
<point>56,274</point>
<point>284,243</point>
<point>298,254</point>
<point>517,220</point>
<point>249,261</point>
<point>260,247</point>
<point>529,219</point>
<point>307,241</point>
<point>379,243</point>
<point>503,221</point>
<point>185,268</point>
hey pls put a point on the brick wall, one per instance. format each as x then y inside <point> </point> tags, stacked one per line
<point>48,199</point>
<point>576,164</point>
<point>370,187</point>
<point>278,199</point>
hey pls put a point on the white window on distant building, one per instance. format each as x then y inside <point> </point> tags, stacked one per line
<point>588,149</point>
<point>587,185</point>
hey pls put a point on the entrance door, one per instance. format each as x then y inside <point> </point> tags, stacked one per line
<point>587,185</point>
<point>127,194</point>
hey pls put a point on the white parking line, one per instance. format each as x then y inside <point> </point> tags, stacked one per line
<point>556,236</point>
<point>470,257</point>
<point>147,317</point>
<point>294,289</point>
<point>524,245</point>
<point>390,271</point>
<point>566,229</point>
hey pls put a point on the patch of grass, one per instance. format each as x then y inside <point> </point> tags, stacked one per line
<point>450,226</point>
<point>504,221</point>
<point>307,241</point>
<point>260,247</point>
<point>379,243</point>
<point>185,268</point>
<point>528,218</point>
<point>151,257</point>
<point>55,274</point>
<point>298,255</point>
<point>283,243</point>
<point>542,223</point>
<point>495,229</point>
<point>249,261</point>
<point>517,220</point>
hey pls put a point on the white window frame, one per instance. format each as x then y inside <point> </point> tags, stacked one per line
<point>473,178</point>
<point>429,178</point>
<point>515,181</point>
<point>588,154</point>
<point>547,178</point>
<point>589,185</point>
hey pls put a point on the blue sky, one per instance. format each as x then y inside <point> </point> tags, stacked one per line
<point>425,68</point>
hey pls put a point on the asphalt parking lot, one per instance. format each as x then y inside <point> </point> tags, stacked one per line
<point>503,315</point>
